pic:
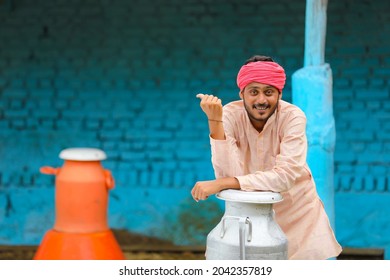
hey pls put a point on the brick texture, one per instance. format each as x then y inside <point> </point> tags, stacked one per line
<point>122,76</point>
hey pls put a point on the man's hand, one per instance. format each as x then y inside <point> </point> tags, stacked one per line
<point>203,189</point>
<point>211,106</point>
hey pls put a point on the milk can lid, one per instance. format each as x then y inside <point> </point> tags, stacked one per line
<point>250,196</point>
<point>82,154</point>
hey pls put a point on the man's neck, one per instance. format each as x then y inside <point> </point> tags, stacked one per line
<point>258,125</point>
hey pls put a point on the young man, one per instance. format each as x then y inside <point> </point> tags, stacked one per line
<point>259,144</point>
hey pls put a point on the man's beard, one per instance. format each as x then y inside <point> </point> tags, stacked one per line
<point>258,106</point>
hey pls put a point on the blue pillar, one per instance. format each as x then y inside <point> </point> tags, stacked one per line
<point>315,32</point>
<point>312,92</point>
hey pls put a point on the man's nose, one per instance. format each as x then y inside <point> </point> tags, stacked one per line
<point>261,98</point>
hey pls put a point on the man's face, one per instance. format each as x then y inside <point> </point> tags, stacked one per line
<point>260,102</point>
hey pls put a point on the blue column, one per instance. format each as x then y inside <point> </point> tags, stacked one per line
<point>312,92</point>
<point>315,32</point>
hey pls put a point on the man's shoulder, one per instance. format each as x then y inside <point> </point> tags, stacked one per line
<point>234,107</point>
<point>287,108</point>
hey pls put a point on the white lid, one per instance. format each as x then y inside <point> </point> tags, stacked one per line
<point>250,197</point>
<point>83,154</point>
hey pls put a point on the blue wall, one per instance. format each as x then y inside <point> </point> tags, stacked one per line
<point>122,75</point>
<point>358,51</point>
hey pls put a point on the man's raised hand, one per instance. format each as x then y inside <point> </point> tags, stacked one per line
<point>211,106</point>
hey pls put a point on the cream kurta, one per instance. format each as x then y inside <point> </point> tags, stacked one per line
<point>275,160</point>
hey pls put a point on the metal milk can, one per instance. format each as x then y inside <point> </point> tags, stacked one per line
<point>247,229</point>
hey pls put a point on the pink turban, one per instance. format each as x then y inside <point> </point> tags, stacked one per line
<point>265,72</point>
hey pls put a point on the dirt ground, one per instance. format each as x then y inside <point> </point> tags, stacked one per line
<point>139,247</point>
<point>134,247</point>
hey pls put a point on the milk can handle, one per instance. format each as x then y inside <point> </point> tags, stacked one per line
<point>110,182</point>
<point>242,229</point>
<point>242,222</point>
<point>48,170</point>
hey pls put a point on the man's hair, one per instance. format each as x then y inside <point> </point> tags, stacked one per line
<point>258,58</point>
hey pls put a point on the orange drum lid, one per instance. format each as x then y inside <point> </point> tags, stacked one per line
<point>83,154</point>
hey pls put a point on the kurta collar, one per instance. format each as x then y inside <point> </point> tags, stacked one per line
<point>270,121</point>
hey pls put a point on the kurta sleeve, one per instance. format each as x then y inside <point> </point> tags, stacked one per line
<point>225,154</point>
<point>290,163</point>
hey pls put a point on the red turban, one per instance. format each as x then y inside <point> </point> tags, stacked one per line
<point>265,72</point>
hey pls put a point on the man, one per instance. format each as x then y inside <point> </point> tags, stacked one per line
<point>259,144</point>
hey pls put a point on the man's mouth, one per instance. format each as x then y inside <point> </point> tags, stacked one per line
<point>261,106</point>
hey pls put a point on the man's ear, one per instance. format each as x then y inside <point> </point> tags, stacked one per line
<point>280,95</point>
<point>241,94</point>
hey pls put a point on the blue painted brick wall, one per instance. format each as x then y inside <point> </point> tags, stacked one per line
<point>122,76</point>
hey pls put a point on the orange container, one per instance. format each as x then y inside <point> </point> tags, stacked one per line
<point>80,230</point>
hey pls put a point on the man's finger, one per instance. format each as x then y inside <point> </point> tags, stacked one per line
<point>200,95</point>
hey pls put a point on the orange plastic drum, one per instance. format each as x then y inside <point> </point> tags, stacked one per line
<point>80,230</point>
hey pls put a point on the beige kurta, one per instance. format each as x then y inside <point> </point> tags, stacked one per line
<point>275,160</point>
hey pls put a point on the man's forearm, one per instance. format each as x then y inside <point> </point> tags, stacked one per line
<point>227,183</point>
<point>216,130</point>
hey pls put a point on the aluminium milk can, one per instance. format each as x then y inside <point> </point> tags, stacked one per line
<point>247,229</point>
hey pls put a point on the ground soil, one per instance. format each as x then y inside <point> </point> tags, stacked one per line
<point>134,247</point>
<point>139,247</point>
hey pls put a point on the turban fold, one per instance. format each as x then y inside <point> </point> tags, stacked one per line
<point>265,72</point>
